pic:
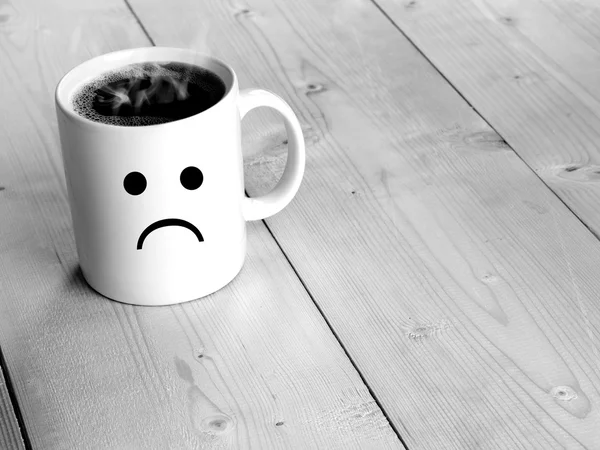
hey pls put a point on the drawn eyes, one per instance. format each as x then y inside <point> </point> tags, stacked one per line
<point>135,183</point>
<point>191,178</point>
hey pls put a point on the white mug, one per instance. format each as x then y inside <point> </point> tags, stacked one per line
<point>168,244</point>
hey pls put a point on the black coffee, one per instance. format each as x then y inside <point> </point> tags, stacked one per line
<point>148,94</point>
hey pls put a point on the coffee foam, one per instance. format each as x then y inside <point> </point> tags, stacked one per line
<point>82,99</point>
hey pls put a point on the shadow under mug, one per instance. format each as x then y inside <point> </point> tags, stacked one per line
<point>169,244</point>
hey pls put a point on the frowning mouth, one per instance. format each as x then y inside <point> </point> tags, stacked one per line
<point>168,223</point>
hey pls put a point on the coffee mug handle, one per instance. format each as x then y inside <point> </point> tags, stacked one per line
<point>266,205</point>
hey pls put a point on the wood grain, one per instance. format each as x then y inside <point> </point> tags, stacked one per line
<point>464,290</point>
<point>252,366</point>
<point>10,433</point>
<point>531,68</point>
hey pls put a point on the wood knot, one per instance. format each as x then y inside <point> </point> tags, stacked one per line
<point>489,278</point>
<point>244,12</point>
<point>2,188</point>
<point>423,331</point>
<point>486,140</point>
<point>418,333</point>
<point>278,424</point>
<point>314,88</point>
<point>507,20</point>
<point>579,173</point>
<point>563,393</point>
<point>217,424</point>
<point>200,354</point>
<point>411,4</point>
<point>524,78</point>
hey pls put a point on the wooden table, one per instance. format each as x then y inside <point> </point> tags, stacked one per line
<point>435,283</point>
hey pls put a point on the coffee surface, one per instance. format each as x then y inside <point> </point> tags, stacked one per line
<point>148,93</point>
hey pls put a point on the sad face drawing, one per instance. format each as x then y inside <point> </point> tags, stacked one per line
<point>159,210</point>
<point>135,184</point>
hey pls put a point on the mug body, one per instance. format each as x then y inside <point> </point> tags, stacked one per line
<point>167,244</point>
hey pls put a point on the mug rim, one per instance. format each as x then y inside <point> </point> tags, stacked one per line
<point>62,99</point>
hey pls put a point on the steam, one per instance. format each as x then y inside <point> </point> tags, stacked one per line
<point>115,97</point>
<point>129,95</point>
<point>141,86</point>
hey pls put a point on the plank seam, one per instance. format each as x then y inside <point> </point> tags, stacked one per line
<point>384,412</point>
<point>139,22</point>
<point>14,403</point>
<point>438,70</point>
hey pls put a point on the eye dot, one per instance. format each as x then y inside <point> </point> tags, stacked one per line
<point>135,183</point>
<point>191,178</point>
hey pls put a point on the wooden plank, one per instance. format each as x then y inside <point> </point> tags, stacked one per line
<point>530,67</point>
<point>10,433</point>
<point>253,366</point>
<point>464,290</point>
